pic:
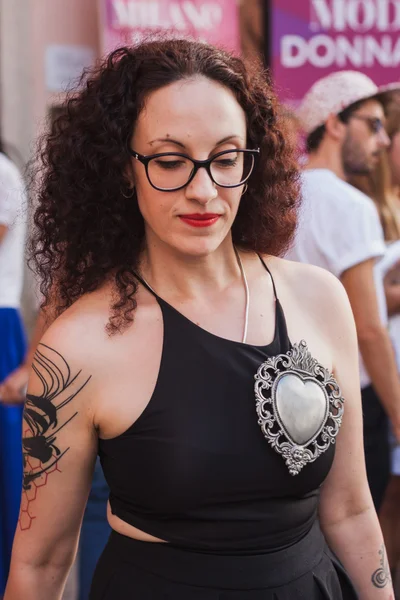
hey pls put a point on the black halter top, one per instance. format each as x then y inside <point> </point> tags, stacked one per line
<point>195,469</point>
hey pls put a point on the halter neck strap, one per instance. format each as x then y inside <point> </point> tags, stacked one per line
<point>270,274</point>
<point>146,285</point>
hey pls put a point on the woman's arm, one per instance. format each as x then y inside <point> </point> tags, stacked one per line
<point>347,515</point>
<point>59,449</point>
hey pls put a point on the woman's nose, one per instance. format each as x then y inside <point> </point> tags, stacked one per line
<point>201,188</point>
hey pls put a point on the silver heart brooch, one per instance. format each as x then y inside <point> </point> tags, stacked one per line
<point>299,406</point>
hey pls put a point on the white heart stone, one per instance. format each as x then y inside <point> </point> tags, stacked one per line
<point>302,407</point>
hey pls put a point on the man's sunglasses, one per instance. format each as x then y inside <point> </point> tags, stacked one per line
<point>375,124</point>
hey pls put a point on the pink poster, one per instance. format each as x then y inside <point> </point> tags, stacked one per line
<point>127,21</point>
<point>311,38</point>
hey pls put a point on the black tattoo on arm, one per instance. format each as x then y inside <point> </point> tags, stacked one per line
<point>381,577</point>
<point>43,420</point>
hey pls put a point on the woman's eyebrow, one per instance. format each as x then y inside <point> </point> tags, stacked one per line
<point>169,140</point>
<point>181,145</point>
<point>228,138</point>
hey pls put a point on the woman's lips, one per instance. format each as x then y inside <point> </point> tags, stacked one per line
<point>200,220</point>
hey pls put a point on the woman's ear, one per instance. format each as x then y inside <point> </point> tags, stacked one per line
<point>129,176</point>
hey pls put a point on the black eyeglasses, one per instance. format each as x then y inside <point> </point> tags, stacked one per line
<point>375,124</point>
<point>172,171</point>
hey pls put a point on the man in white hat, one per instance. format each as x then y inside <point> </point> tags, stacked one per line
<point>339,230</point>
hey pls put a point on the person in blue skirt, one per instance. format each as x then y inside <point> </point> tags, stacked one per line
<point>12,350</point>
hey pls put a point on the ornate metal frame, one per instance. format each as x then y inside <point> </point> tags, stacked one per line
<point>299,362</point>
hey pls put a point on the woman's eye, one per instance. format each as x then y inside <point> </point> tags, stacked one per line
<point>169,164</point>
<point>227,162</point>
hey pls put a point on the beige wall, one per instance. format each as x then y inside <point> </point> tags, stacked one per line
<point>16,74</point>
<point>27,28</point>
<point>69,22</point>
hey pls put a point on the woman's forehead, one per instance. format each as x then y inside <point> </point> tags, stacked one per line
<point>187,105</point>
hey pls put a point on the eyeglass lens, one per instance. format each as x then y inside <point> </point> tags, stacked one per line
<point>174,171</point>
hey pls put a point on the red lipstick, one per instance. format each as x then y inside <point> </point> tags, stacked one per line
<point>200,219</point>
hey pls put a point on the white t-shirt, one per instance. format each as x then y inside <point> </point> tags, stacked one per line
<point>12,246</point>
<point>339,227</point>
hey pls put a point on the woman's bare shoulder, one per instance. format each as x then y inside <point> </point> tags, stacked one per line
<point>308,281</point>
<point>81,331</point>
<point>316,292</point>
<point>81,326</point>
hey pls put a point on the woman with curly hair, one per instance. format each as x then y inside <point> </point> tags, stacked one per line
<point>207,372</point>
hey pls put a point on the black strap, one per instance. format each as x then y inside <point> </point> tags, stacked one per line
<point>270,274</point>
<point>145,284</point>
<point>280,315</point>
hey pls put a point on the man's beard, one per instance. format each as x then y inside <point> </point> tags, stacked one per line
<point>354,159</point>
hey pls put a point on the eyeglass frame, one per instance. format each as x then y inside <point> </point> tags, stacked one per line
<point>197,164</point>
<point>375,129</point>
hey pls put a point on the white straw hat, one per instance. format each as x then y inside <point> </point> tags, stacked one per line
<point>334,93</point>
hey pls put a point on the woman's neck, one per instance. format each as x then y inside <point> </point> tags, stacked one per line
<point>174,274</point>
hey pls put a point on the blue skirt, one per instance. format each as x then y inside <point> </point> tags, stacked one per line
<point>12,354</point>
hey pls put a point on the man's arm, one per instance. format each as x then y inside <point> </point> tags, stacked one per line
<point>392,290</point>
<point>373,338</point>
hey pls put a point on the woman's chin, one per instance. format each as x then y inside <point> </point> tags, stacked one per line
<point>198,246</point>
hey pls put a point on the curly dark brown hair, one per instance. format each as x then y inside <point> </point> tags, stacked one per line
<point>86,231</point>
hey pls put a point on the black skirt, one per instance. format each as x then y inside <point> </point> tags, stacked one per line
<point>376,444</point>
<point>132,570</point>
